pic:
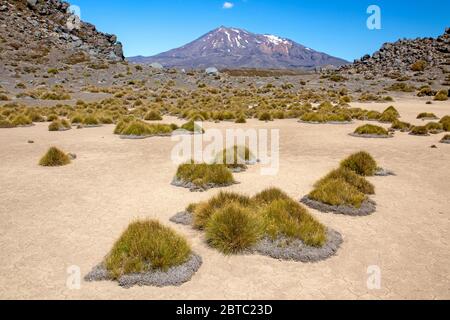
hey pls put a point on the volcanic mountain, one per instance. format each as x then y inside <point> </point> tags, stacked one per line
<point>237,48</point>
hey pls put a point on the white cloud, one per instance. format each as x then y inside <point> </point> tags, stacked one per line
<point>228,5</point>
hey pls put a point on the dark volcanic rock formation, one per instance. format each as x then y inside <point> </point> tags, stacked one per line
<point>400,57</point>
<point>35,30</point>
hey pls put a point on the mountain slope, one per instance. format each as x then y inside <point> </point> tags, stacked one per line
<point>46,32</point>
<point>237,48</point>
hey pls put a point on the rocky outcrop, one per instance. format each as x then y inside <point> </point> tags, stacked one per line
<point>400,56</point>
<point>32,29</point>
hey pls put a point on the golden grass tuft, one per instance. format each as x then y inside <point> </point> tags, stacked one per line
<point>54,158</point>
<point>146,246</point>
<point>235,222</point>
<point>361,162</point>
<point>202,174</point>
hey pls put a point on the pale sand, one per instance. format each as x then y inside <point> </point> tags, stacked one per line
<point>51,219</point>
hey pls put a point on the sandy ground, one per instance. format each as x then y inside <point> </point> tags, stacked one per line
<point>51,219</point>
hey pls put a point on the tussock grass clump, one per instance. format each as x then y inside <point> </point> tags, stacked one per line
<point>337,192</point>
<point>54,158</point>
<point>401,87</point>
<point>419,131</point>
<point>241,119</point>
<point>265,116</point>
<point>235,223</point>
<point>350,177</point>
<point>146,246</point>
<point>419,65</point>
<point>22,121</point>
<point>236,157</point>
<point>204,210</point>
<point>427,115</point>
<point>59,125</point>
<point>324,117</point>
<point>203,175</point>
<point>389,115</point>
<point>286,217</point>
<point>138,128</point>
<point>434,127</point>
<point>191,126</point>
<point>446,139</point>
<point>370,129</point>
<point>233,229</point>
<point>153,115</point>
<point>445,121</point>
<point>402,126</point>
<point>441,96</point>
<point>90,120</point>
<point>373,115</point>
<point>5,124</point>
<point>362,163</point>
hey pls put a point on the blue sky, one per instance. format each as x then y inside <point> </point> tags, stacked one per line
<point>147,27</point>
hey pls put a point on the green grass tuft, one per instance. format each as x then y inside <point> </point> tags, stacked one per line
<point>233,228</point>
<point>54,158</point>
<point>140,128</point>
<point>338,192</point>
<point>234,222</point>
<point>349,176</point>
<point>419,131</point>
<point>362,163</point>
<point>202,174</point>
<point>146,246</point>
<point>234,157</point>
<point>370,129</point>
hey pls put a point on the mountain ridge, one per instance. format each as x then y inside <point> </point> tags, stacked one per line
<point>226,47</point>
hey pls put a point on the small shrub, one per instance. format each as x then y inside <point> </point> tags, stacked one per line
<point>402,126</point>
<point>265,116</point>
<point>419,131</point>
<point>202,174</point>
<point>153,115</point>
<point>441,96</point>
<point>427,115</point>
<point>241,119</point>
<point>370,129</point>
<point>434,127</point>
<point>235,222</point>
<point>235,157</point>
<point>233,228</point>
<point>445,121</point>
<point>54,158</point>
<point>362,163</point>
<point>204,210</point>
<point>350,177</point>
<point>192,127</point>
<point>373,115</point>
<point>419,66</point>
<point>22,120</point>
<point>6,124</point>
<point>52,71</point>
<point>145,246</point>
<point>140,129</point>
<point>338,192</point>
<point>90,120</point>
